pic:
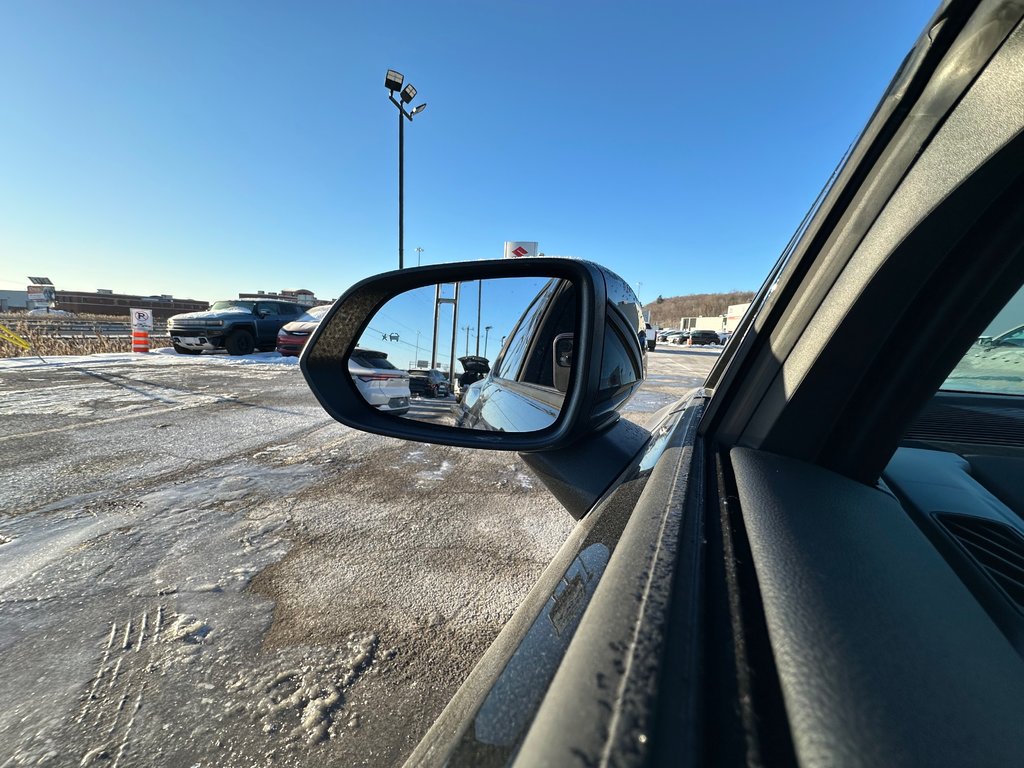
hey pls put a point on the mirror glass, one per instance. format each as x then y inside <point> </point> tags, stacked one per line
<point>488,354</point>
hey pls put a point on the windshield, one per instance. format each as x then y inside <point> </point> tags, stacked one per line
<point>313,314</point>
<point>241,305</point>
<point>372,360</point>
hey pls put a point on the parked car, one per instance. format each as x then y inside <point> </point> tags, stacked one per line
<point>381,385</point>
<point>428,382</point>
<point>474,368</point>
<point>816,559</point>
<point>237,326</point>
<point>292,336</point>
<point>703,337</point>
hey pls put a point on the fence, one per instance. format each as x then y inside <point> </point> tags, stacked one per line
<point>64,328</point>
<point>54,335</point>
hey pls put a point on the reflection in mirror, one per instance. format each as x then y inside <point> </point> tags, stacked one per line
<point>489,354</point>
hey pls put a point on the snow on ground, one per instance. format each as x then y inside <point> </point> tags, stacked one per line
<point>989,369</point>
<point>163,356</point>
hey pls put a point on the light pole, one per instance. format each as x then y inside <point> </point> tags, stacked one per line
<point>393,82</point>
<point>487,332</point>
<point>467,329</point>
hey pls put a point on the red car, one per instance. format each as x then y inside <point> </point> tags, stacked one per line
<point>292,336</point>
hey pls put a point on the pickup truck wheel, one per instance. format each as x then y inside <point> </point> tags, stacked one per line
<point>185,350</point>
<point>240,342</point>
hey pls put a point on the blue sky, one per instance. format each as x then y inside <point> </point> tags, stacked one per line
<point>207,148</point>
<point>404,326</point>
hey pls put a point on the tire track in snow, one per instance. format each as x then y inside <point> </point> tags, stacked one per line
<point>120,680</point>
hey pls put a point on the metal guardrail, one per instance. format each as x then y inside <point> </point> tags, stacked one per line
<point>50,326</point>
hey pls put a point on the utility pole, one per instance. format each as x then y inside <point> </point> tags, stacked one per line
<point>467,329</point>
<point>479,304</point>
<point>419,252</point>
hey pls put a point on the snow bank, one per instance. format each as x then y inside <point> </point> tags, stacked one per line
<point>165,356</point>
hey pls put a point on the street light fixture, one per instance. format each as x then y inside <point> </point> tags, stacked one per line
<point>393,82</point>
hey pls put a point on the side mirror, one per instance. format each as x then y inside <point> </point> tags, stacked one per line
<point>569,358</point>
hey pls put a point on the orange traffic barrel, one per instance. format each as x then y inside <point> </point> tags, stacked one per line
<point>140,341</point>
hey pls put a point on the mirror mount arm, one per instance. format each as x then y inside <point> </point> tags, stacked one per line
<point>578,476</point>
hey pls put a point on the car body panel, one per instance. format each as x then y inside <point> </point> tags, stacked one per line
<point>487,720</point>
<point>508,406</point>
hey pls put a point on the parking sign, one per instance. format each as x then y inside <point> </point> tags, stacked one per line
<point>142,319</point>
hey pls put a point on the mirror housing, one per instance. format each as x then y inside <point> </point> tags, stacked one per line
<point>605,304</point>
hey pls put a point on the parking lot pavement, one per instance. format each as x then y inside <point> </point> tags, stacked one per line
<point>198,566</point>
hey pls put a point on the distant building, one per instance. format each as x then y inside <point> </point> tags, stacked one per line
<point>726,322</point>
<point>13,301</point>
<point>302,296</point>
<point>106,302</point>
<point>734,314</point>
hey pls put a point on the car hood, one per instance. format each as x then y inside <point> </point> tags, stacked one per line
<point>211,314</point>
<point>300,326</point>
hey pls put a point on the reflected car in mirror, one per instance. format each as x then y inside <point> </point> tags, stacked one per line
<point>381,384</point>
<point>428,383</point>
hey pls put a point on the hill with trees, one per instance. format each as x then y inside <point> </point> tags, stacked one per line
<point>665,313</point>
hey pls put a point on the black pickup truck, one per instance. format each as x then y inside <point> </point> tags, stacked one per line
<point>238,326</point>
